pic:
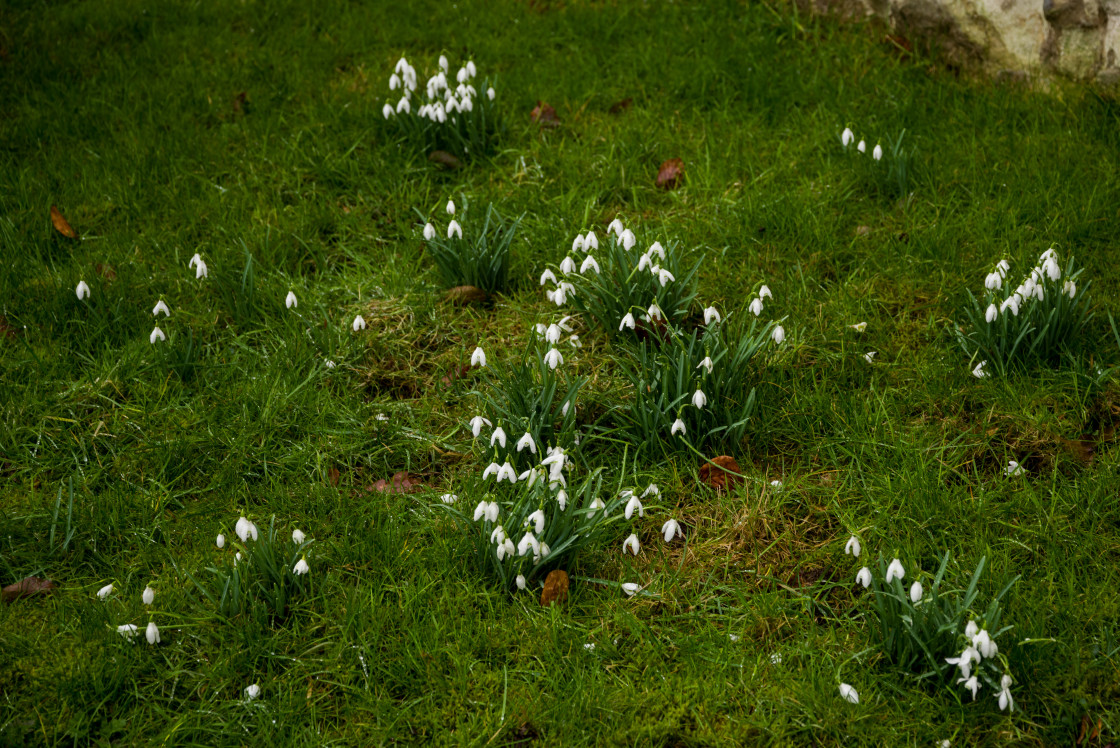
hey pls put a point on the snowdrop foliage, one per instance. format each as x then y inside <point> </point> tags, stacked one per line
<point>473,254</point>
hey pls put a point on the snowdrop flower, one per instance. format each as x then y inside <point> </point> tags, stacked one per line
<point>236,558</point>
<point>330,365</point>
<point>764,292</point>
<point>847,137</point>
<point>197,258</point>
<point>711,313</point>
<point>664,276</point>
<point>979,372</point>
<point>498,436</point>
<point>706,364</point>
<point>552,333</point>
<point>863,576</point>
<point>1069,288</point>
<point>157,334</point>
<point>779,334</point>
<point>449,498</point>
<point>1050,267</point>
<point>699,399</point>
<point>1037,291</point>
<point>290,300</point>
<point>221,541</point>
<point>520,581</point>
<point>547,276</point>
<point>984,644</point>
<point>476,425</point>
<point>301,566</point>
<point>590,263</point>
<point>536,519</point>
<point>631,544</point>
<point>1013,468</point>
<point>567,265</point>
<point>577,243</point>
<point>478,358</point>
<point>590,241</point>
<point>993,281</point>
<point>862,147</point>
<point>252,692</point>
<point>148,595</point>
<point>152,633</point>
<point>394,82</point>
<point>615,227</point>
<point>528,541</point>
<point>562,499</point>
<point>678,425</point>
<point>670,530</point>
<point>161,307</point>
<point>627,321</point>
<point>128,631</point>
<point>755,307</point>
<point>453,229</point>
<point>869,356</point>
<point>443,64</point>
<point>853,547</point>
<point>654,311</point>
<point>506,471</point>
<point>491,469</point>
<point>597,504</point>
<point>1011,302</point>
<point>387,110</point>
<point>628,240</point>
<point>553,358</point>
<point>105,591</point>
<point>634,504</point>
<point>574,342</point>
<point>201,271</point>
<point>590,647</point>
<point>644,262</point>
<point>487,511</point>
<point>498,535</point>
<point>1049,254</point>
<point>505,548</point>
<point>877,153</point>
<point>429,231</point>
<point>404,105</point>
<point>915,592</point>
<point>490,93</point>
<point>964,662</point>
<point>245,529</point>
<point>630,588</point>
<point>656,249</point>
<point>298,537</point>
<point>1004,695</point>
<point>991,314</point>
<point>895,571</point>
<point>971,684</point>
<point>527,441</point>
<point>847,692</point>
<point>359,323</point>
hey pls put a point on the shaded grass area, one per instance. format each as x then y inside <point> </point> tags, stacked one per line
<point>131,119</point>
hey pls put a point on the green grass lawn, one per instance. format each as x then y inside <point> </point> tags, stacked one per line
<point>252,133</point>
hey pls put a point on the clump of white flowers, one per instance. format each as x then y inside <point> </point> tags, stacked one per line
<point>451,113</point>
<point>478,257</point>
<point>1035,321</point>
<point>890,175</point>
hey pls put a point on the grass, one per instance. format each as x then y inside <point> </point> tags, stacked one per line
<point>130,118</point>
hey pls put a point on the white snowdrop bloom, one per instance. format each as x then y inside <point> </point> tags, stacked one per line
<point>574,342</point>
<point>220,541</point>
<point>847,692</point>
<point>631,588</point>
<point>564,324</point>
<point>590,241</point>
<point>387,110</point>
<point>1069,288</point>
<point>590,646</point>
<point>478,357</point>
<point>628,240</point>
<point>1004,695</point>
<point>776,485</point>
<point>201,271</point>
<point>985,644</point>
<point>429,231</point>
<point>993,281</point>
<point>394,82</point>
<point>480,513</point>
<point>627,321</point>
<point>520,581</point>
<point>1011,302</point>
<point>449,498</point>
<point>965,660</point>
<point>589,263</point>
<point>536,519</point>
<point>971,684</point>
<point>915,592</point>
<point>863,576</point>
<point>301,567</point>
<point>491,514</point>
<point>331,365</point>
<point>161,307</point>
<point>564,410</point>
<point>157,334</point>
<point>859,326</point>
<point>651,490</point>
<point>678,425</point>
<point>779,334</point>
<point>443,64</point>
<point>195,259</point>
<point>553,358</point>
<point>706,364</point>
<point>847,137</point>
<point>1050,267</point>
<point>453,229</point>
<point>862,146</point>
<point>991,314</point>
<point>128,631</point>
<point>664,276</point>
<point>634,505</point>
<point>596,504</point>
<point>978,371</point>
<point>1013,468</point>
<point>490,93</point>
<point>755,307</point>
<point>152,633</point>
<point>615,227</point>
<point>567,265</point>
<point>477,423</point>
<point>552,333</point>
<point>506,548</point>
<point>547,276</point>
<point>710,314</point>
<point>298,536</point>
<point>245,529</point>
<point>252,692</point>
<point>404,106</point>
<point>631,544</point>
<point>105,591</point>
<point>462,75</point>
<point>764,292</point>
<point>498,436</point>
<point>359,323</point>
<point>895,571</point>
<point>670,530</point>
<point>1047,255</point>
<point>656,249</point>
<point>148,595</point>
<point>645,262</point>
<point>498,534</point>
<point>528,542</point>
<point>869,356</point>
<point>877,152</point>
<point>290,301</point>
<point>577,243</point>
<point>450,207</point>
<point>853,547</point>
<point>527,441</point>
<point>471,70</point>
<point>699,399</point>
<point>506,471</point>
<point>654,311</point>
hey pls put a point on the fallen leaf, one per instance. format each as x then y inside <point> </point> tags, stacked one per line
<point>670,173</point>
<point>333,476</point>
<point>399,483</point>
<point>555,587</point>
<point>105,271</point>
<point>863,230</point>
<point>722,472</point>
<point>445,159</point>
<point>455,372</point>
<point>545,115</point>
<point>621,106</point>
<point>27,587</point>
<point>465,295</point>
<point>61,225</point>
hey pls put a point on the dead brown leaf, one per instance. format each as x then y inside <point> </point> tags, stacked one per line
<point>27,587</point>
<point>465,295</point>
<point>445,159</point>
<point>333,475</point>
<point>621,106</point>
<point>670,173</point>
<point>555,588</point>
<point>61,225</point>
<point>544,115</point>
<point>401,482</point>
<point>721,473</point>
